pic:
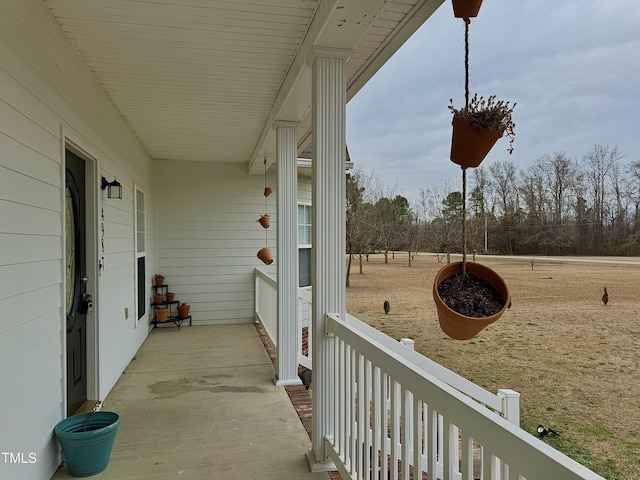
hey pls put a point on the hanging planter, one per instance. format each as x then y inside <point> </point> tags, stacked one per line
<point>183,310</point>
<point>470,296</point>
<point>162,313</point>
<point>265,255</point>
<point>87,440</point>
<point>267,191</point>
<point>458,325</point>
<point>466,8</point>
<point>264,220</point>
<point>477,127</point>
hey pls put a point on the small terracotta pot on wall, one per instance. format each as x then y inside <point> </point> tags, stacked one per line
<point>162,314</point>
<point>469,146</point>
<point>466,8</point>
<point>456,325</point>
<point>265,255</point>
<point>183,311</point>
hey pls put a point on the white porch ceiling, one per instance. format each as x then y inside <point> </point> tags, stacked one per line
<point>204,80</point>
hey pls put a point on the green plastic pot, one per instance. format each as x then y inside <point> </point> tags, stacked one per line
<point>86,440</point>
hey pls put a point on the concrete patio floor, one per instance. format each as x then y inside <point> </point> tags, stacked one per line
<point>200,403</point>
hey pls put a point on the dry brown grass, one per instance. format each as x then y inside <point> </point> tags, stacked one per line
<point>573,359</point>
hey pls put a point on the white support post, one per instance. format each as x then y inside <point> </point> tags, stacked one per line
<point>510,411</point>
<point>287,207</point>
<point>328,107</point>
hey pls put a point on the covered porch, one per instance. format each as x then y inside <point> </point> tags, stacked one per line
<point>200,403</point>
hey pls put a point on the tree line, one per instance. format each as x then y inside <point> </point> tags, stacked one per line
<point>556,206</point>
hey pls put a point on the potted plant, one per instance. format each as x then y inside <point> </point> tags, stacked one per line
<point>466,8</point>
<point>159,279</point>
<point>170,296</point>
<point>162,314</point>
<point>265,255</point>
<point>87,440</point>
<point>183,310</point>
<point>477,127</point>
<point>157,298</point>
<point>470,297</point>
<point>264,220</point>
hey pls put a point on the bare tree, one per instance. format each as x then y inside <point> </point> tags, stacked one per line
<point>600,162</point>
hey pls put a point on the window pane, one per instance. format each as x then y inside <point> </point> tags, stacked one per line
<point>304,267</point>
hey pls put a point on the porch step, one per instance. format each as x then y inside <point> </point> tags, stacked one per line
<point>87,406</point>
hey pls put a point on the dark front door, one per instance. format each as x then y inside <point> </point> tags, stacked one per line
<point>76,306</point>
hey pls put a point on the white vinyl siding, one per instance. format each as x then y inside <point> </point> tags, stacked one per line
<point>46,92</point>
<point>209,237</point>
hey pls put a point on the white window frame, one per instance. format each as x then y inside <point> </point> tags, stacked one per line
<point>140,253</point>
<point>304,246</point>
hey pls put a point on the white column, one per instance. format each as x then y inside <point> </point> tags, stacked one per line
<point>328,108</point>
<point>287,200</point>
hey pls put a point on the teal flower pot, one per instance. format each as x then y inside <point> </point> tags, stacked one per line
<point>86,440</point>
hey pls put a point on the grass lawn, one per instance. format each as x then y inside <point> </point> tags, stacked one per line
<point>573,359</point>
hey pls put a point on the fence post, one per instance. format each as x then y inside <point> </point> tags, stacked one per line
<point>510,405</point>
<point>511,411</point>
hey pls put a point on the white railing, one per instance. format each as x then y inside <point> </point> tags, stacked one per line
<point>266,304</point>
<point>394,419</point>
<point>304,328</point>
<point>266,312</point>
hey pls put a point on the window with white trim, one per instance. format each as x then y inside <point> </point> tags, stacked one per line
<point>141,253</point>
<point>304,245</point>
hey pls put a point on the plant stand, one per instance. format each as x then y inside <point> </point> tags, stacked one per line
<point>173,317</point>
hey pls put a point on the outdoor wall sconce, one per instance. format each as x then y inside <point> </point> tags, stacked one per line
<point>114,189</point>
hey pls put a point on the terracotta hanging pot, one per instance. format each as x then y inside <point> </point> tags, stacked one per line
<point>157,299</point>
<point>469,146</point>
<point>456,325</point>
<point>170,296</point>
<point>265,255</point>
<point>267,191</point>
<point>466,8</point>
<point>183,310</point>
<point>264,220</point>
<point>162,314</point>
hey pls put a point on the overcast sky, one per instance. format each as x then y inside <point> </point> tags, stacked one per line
<point>572,66</point>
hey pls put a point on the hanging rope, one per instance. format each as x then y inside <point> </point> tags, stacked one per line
<point>266,236</point>
<point>467,21</point>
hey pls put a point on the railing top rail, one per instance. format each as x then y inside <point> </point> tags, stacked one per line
<point>529,456</point>
<point>304,295</point>
<point>456,381</point>
<point>266,277</point>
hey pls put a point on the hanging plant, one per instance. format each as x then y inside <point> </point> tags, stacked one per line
<point>469,299</point>
<point>477,127</point>
<point>466,8</point>
<point>265,253</point>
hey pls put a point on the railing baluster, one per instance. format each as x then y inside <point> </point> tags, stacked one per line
<point>467,456</point>
<point>395,428</point>
<point>432,443</point>
<point>384,425</point>
<point>417,438</point>
<point>376,424</point>
<point>361,415</point>
<point>352,415</point>
<point>406,410</point>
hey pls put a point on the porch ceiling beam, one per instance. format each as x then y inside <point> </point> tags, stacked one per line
<point>335,25</point>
